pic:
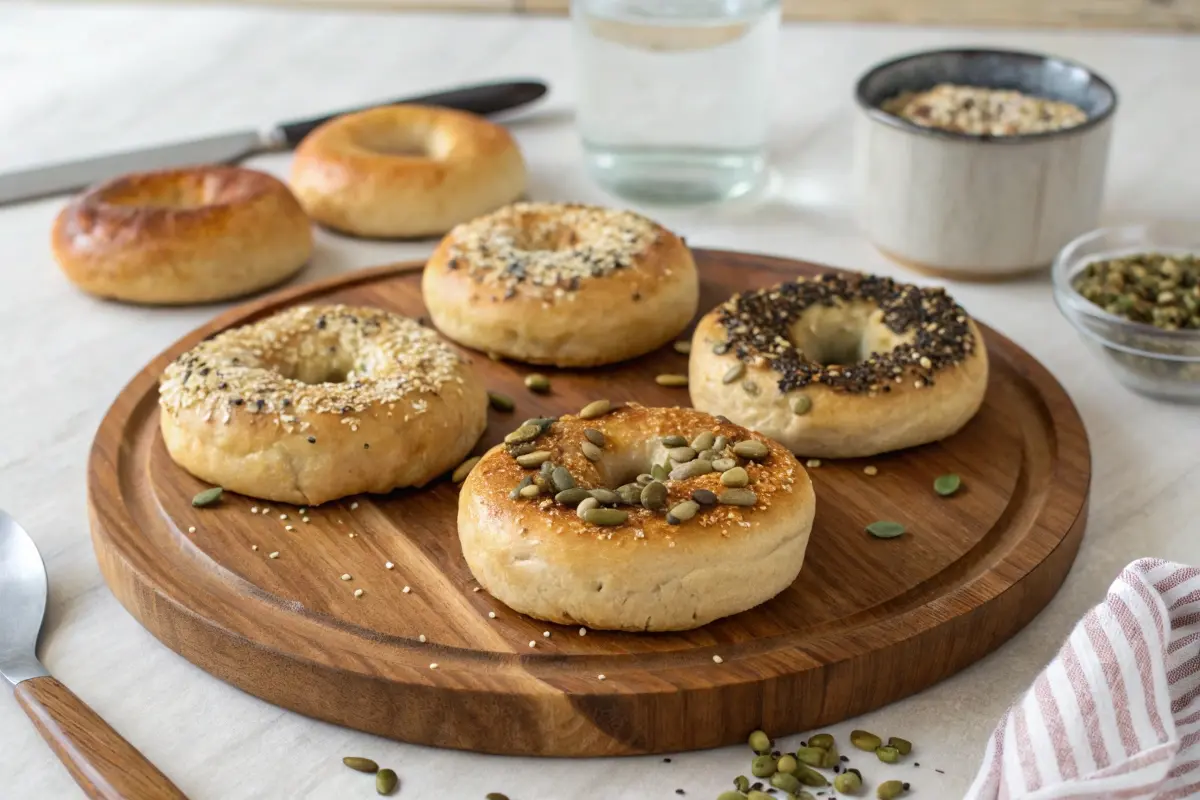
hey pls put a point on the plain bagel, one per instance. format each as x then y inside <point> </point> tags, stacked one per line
<point>182,236</point>
<point>406,171</point>
<point>568,285</point>
<point>642,519</point>
<point>841,365</point>
<point>319,402</point>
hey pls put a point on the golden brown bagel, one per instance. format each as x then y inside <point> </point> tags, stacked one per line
<point>406,171</point>
<point>319,402</point>
<point>841,365</point>
<point>538,556</point>
<point>182,236</point>
<point>568,285</point>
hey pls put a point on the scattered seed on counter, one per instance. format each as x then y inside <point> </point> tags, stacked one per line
<point>671,379</point>
<point>870,470</point>
<point>501,402</point>
<point>683,347</point>
<point>537,382</point>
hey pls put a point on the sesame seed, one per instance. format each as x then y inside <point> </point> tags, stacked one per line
<point>433,665</point>
<point>191,529</point>
<point>476,589</point>
<point>546,634</point>
<point>491,615</point>
<point>273,554</point>
<point>601,676</point>
<point>358,592</point>
<point>718,660</point>
<point>346,576</point>
<point>406,590</point>
<point>389,565</point>
<point>532,643</point>
<point>253,547</point>
<point>354,505</point>
<point>421,638</point>
<point>870,470</point>
<point>288,528</point>
<point>283,516</point>
<point>583,631</point>
<point>253,509</point>
<point>305,519</point>
<point>813,463</point>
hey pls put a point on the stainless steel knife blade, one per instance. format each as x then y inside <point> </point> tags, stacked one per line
<point>22,602</point>
<point>73,175</point>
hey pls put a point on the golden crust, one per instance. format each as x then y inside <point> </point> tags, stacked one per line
<point>406,171</point>
<point>567,285</point>
<point>543,560</point>
<point>182,236</point>
<point>260,409</point>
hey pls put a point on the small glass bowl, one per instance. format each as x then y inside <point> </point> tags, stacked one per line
<point>1151,361</point>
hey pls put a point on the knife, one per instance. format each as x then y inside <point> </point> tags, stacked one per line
<point>104,765</point>
<point>229,148</point>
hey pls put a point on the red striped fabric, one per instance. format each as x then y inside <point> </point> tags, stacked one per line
<point>1117,713</point>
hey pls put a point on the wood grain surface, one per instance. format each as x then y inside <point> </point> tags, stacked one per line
<point>104,765</point>
<point>868,621</point>
<point>1183,15</point>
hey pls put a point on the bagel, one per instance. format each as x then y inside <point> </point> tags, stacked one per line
<point>319,402</point>
<point>405,171</point>
<point>182,236</point>
<point>841,365</point>
<point>567,285</point>
<point>673,563</point>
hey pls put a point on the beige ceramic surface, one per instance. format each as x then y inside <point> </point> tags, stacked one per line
<point>85,78</point>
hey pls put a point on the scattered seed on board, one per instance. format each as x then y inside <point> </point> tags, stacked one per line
<point>883,529</point>
<point>208,497</point>
<point>390,565</point>
<point>433,665</point>
<point>947,485</point>
<point>422,639</point>
<point>274,554</point>
<point>683,346</point>
<point>669,379</point>
<point>594,409</point>
<point>537,382</point>
<point>813,463</point>
<point>253,509</point>
<point>358,592</point>
<point>191,529</point>
<point>594,436</point>
<point>501,402</point>
<point>386,781</point>
<point>464,469</point>
<point>360,764</point>
<point>491,615</point>
<point>254,547</point>
<point>546,634</point>
<point>346,576</point>
<point>406,589</point>
<point>801,404</point>
<point>591,452</point>
<point>718,660</point>
<point>870,470</point>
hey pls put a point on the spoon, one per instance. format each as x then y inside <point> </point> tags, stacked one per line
<point>104,765</point>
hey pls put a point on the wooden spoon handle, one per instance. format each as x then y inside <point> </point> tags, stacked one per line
<point>106,766</point>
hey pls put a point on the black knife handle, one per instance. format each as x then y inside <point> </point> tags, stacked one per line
<point>483,98</point>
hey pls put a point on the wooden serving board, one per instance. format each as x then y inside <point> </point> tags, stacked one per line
<point>868,621</point>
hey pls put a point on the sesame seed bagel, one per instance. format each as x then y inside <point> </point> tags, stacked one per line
<point>618,553</point>
<point>841,365</point>
<point>182,236</point>
<point>319,402</point>
<point>567,285</point>
<point>406,171</point>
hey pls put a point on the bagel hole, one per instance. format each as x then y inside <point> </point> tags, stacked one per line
<point>179,192</point>
<point>842,335</point>
<point>397,142</point>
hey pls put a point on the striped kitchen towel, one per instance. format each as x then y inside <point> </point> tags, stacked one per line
<point>1116,714</point>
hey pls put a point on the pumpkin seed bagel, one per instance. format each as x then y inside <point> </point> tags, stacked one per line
<point>637,519</point>
<point>841,365</point>
<point>319,402</point>
<point>567,285</point>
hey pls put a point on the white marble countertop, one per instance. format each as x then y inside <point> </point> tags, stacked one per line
<point>76,80</point>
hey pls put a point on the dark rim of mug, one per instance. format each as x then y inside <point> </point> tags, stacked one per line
<point>876,113</point>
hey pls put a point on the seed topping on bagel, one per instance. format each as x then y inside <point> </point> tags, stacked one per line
<point>758,324</point>
<point>548,245</point>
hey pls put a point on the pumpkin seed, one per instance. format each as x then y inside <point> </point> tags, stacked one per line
<point>803,795</point>
<point>721,348</point>
<point>947,485</point>
<point>464,469</point>
<point>654,496</point>
<point>904,746</point>
<point>787,763</point>
<point>542,422</point>
<point>674,440</point>
<point>742,783</point>
<point>525,433</point>
<point>644,478</point>
<point>516,492</point>
<point>733,373</point>
<point>750,388</point>
<point>719,443</point>
<point>360,764</point>
<point>560,478</point>
<point>386,781</point>
<point>591,452</point>
<point>573,496</point>
<point>724,464</point>
<point>785,781</point>
<point>735,478</point>
<point>889,790</point>
<point>501,402</point>
<point>596,408</point>
<point>704,497</point>
<point>751,449</point>
<point>821,740</point>
<point>831,757</point>
<point>658,472</point>
<point>585,505</point>
<point>529,492</point>
<point>865,740</point>
<point>685,510</point>
<point>630,493</point>
<point>801,404</point>
<point>546,468</point>
<point>683,346</point>
<point>704,441</point>
<point>669,379</point>
<point>534,459</point>
<point>884,529</point>
<point>706,455</point>
<point>737,497</point>
<point>813,756</point>
<point>755,794</point>
<point>495,796</point>
<point>691,469</point>
<point>606,497</point>
<point>521,449</point>
<point>847,783</point>
<point>763,766</point>
<point>208,497</point>
<point>887,754</point>
<point>731,795</point>
<point>809,776</point>
<point>594,436</point>
<point>681,454</point>
<point>606,516</point>
<point>760,742</point>
<point>537,382</point>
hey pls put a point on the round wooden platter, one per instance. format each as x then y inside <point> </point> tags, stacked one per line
<point>867,622</point>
